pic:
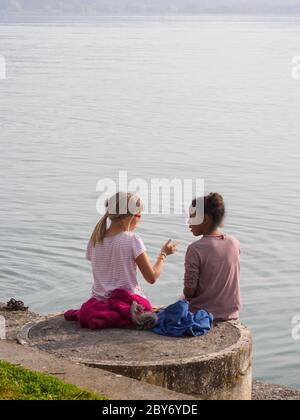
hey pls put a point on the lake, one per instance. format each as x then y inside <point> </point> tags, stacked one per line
<point>185,98</point>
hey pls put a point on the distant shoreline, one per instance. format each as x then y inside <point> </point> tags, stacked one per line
<point>204,15</point>
<point>27,19</point>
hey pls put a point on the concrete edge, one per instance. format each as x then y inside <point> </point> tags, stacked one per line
<point>23,334</point>
<point>244,340</point>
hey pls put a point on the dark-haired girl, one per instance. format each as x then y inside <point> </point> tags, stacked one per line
<point>212,264</point>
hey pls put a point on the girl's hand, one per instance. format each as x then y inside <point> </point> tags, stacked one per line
<point>169,247</point>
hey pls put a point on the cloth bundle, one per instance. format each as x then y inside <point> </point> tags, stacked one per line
<point>177,321</point>
<point>123,309</point>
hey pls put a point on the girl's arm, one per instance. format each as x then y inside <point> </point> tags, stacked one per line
<point>189,293</point>
<point>152,273</point>
<point>192,272</point>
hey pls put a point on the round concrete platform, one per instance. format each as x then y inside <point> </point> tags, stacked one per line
<point>215,366</point>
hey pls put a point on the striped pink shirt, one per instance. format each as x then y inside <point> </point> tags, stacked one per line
<point>113,264</point>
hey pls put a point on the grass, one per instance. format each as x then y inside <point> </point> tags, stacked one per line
<point>17,383</point>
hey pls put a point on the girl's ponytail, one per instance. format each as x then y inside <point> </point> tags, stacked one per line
<point>100,231</point>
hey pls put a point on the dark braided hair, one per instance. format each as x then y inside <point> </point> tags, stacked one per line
<point>214,206</point>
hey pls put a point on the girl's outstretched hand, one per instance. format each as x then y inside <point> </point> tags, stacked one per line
<point>170,247</point>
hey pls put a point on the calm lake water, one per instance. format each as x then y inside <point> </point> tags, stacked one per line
<point>165,98</point>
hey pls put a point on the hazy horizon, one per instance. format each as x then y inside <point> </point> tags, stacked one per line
<point>146,7</point>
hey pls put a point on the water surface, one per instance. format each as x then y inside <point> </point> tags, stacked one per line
<point>176,98</point>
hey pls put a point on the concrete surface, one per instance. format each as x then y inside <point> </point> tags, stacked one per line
<point>105,383</point>
<point>16,320</point>
<point>216,366</point>
<point>114,386</point>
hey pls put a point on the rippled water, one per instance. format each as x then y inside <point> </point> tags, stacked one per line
<point>175,98</point>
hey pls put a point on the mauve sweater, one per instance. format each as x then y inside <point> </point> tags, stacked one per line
<point>212,276</point>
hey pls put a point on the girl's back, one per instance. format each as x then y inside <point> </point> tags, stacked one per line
<point>113,263</point>
<point>213,272</point>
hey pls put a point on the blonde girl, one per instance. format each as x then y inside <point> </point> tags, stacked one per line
<point>116,252</point>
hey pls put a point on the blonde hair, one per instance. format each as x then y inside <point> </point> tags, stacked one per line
<point>118,207</point>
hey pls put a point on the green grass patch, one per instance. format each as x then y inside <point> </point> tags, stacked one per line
<point>17,383</point>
